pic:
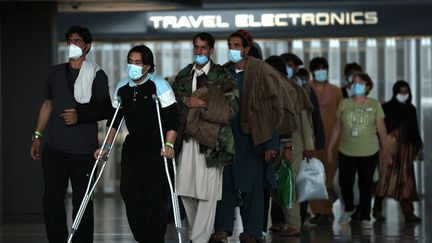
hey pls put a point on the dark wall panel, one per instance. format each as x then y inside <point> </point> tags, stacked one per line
<point>28,48</point>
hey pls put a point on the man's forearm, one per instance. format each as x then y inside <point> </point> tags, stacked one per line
<point>171,136</point>
<point>44,115</point>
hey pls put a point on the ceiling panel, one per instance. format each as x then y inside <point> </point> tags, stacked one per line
<point>124,5</point>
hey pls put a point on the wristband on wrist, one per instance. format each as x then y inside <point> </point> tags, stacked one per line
<point>107,146</point>
<point>38,133</point>
<point>169,145</point>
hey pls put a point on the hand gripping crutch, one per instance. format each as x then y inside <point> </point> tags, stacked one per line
<point>174,198</point>
<point>91,186</point>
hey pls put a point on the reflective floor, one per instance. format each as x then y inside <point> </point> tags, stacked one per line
<point>111,224</point>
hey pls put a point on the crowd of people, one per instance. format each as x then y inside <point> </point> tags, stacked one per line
<point>230,126</point>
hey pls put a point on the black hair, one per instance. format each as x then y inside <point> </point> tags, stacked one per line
<point>245,42</point>
<point>205,37</point>
<point>292,57</point>
<point>146,56</point>
<point>277,63</point>
<point>353,66</point>
<point>255,51</point>
<point>317,63</point>
<point>303,72</point>
<point>81,31</point>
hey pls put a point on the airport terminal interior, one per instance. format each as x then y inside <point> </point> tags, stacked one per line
<point>388,49</point>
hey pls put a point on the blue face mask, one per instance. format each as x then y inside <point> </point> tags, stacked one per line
<point>300,81</point>
<point>321,75</point>
<point>358,89</point>
<point>201,59</point>
<point>134,71</point>
<point>235,56</point>
<point>290,72</point>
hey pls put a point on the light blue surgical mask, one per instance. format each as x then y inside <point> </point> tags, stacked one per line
<point>300,81</point>
<point>235,56</point>
<point>358,89</point>
<point>201,59</point>
<point>290,72</point>
<point>321,75</point>
<point>134,71</point>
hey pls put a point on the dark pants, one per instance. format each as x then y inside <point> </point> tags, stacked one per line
<point>145,192</point>
<point>365,167</point>
<point>276,213</point>
<point>224,219</point>
<point>58,168</point>
<point>251,211</point>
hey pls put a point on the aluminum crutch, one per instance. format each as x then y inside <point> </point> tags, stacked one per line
<point>174,198</point>
<point>91,186</point>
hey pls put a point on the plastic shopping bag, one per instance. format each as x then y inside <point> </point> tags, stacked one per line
<point>310,182</point>
<point>285,186</point>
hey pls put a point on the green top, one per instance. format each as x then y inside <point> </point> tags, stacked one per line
<point>359,133</point>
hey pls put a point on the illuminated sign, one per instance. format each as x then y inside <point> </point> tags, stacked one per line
<point>311,21</point>
<point>263,20</point>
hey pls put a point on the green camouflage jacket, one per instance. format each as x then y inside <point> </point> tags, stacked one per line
<point>223,153</point>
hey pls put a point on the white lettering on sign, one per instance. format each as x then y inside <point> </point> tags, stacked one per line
<point>266,20</point>
<point>188,22</point>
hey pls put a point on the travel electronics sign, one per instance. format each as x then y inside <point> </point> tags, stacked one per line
<point>187,22</point>
<point>354,20</point>
<point>372,20</point>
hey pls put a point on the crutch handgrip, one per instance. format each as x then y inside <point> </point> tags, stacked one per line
<point>155,98</point>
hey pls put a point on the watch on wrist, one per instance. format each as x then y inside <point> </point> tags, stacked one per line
<point>35,136</point>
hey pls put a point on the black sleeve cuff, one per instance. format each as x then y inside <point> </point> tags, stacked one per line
<point>94,111</point>
<point>170,117</point>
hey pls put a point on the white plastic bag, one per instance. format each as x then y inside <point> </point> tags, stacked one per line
<point>310,181</point>
<point>337,189</point>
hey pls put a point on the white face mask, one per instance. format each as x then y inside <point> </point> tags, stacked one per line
<point>402,98</point>
<point>74,52</point>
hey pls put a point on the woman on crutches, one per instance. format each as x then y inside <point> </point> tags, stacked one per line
<point>143,183</point>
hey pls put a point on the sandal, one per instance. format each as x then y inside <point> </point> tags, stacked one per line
<point>276,228</point>
<point>290,231</point>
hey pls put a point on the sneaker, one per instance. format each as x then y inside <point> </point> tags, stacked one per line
<point>366,224</point>
<point>346,217</point>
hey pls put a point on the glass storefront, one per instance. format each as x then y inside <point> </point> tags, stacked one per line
<point>386,59</point>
